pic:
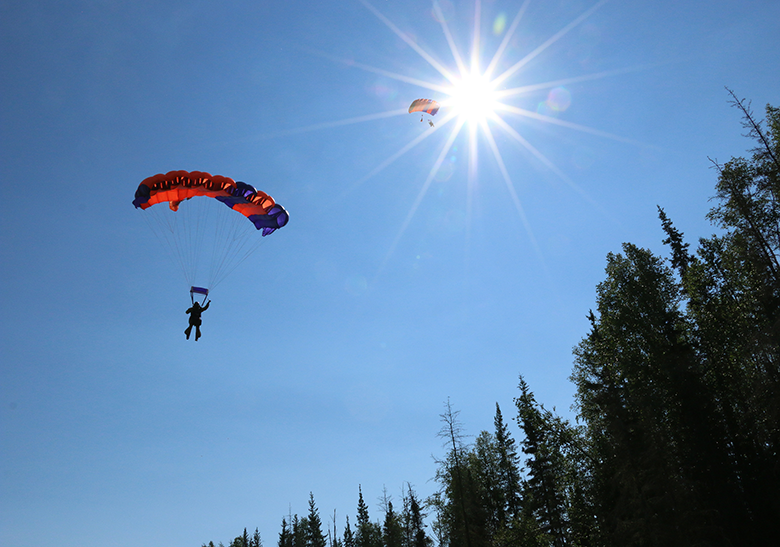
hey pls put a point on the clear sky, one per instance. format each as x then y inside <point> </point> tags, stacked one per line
<point>419,264</point>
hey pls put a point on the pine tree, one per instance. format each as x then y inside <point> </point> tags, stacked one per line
<point>349,537</point>
<point>300,531</point>
<point>313,533</point>
<point>392,532</point>
<point>241,541</point>
<point>285,536</point>
<point>461,505</point>
<point>368,533</point>
<point>547,467</point>
<point>256,541</point>
<point>417,535</point>
<point>508,469</point>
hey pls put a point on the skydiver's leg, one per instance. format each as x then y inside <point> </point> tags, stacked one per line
<point>197,332</point>
<point>188,331</point>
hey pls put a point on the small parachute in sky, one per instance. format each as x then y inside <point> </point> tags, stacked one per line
<point>425,106</point>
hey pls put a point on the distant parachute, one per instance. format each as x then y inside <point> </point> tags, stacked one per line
<point>427,106</point>
<point>212,229</point>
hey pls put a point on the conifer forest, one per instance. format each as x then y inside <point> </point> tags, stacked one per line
<point>677,404</point>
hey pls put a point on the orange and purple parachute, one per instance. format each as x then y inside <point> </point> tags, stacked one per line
<point>203,227</point>
<point>429,106</point>
<point>176,186</point>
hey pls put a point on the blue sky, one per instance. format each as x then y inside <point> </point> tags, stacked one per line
<point>328,355</point>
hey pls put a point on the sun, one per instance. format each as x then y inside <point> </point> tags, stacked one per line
<point>480,100</point>
<point>473,98</point>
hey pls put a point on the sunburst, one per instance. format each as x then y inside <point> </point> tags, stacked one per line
<point>477,99</point>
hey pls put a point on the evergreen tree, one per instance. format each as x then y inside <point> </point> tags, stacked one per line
<point>241,541</point>
<point>641,391</point>
<point>256,541</point>
<point>313,533</point>
<point>392,532</point>
<point>550,478</point>
<point>484,463</point>
<point>349,538</point>
<point>300,531</point>
<point>461,514</point>
<point>416,536</point>
<point>508,470</point>
<point>368,534</point>
<point>285,536</point>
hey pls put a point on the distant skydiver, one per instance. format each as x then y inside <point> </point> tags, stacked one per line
<point>195,321</point>
<point>424,106</point>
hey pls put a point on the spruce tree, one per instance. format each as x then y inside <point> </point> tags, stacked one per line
<point>368,534</point>
<point>313,534</point>
<point>285,536</point>
<point>256,541</point>
<point>547,467</point>
<point>417,526</point>
<point>392,532</point>
<point>508,468</point>
<point>349,537</point>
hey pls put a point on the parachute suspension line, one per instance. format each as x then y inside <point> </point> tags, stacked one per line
<point>229,221</point>
<point>197,214</point>
<point>163,226</point>
<point>195,231</point>
<point>240,239</point>
<point>215,217</point>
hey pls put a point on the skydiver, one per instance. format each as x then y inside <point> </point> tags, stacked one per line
<point>430,122</point>
<point>195,321</point>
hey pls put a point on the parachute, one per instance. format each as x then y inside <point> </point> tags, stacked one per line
<point>210,221</point>
<point>429,106</point>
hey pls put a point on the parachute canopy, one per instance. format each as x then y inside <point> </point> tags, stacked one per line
<point>177,186</point>
<point>429,106</point>
<point>204,227</point>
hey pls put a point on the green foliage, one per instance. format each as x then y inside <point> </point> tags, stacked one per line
<point>678,379</point>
